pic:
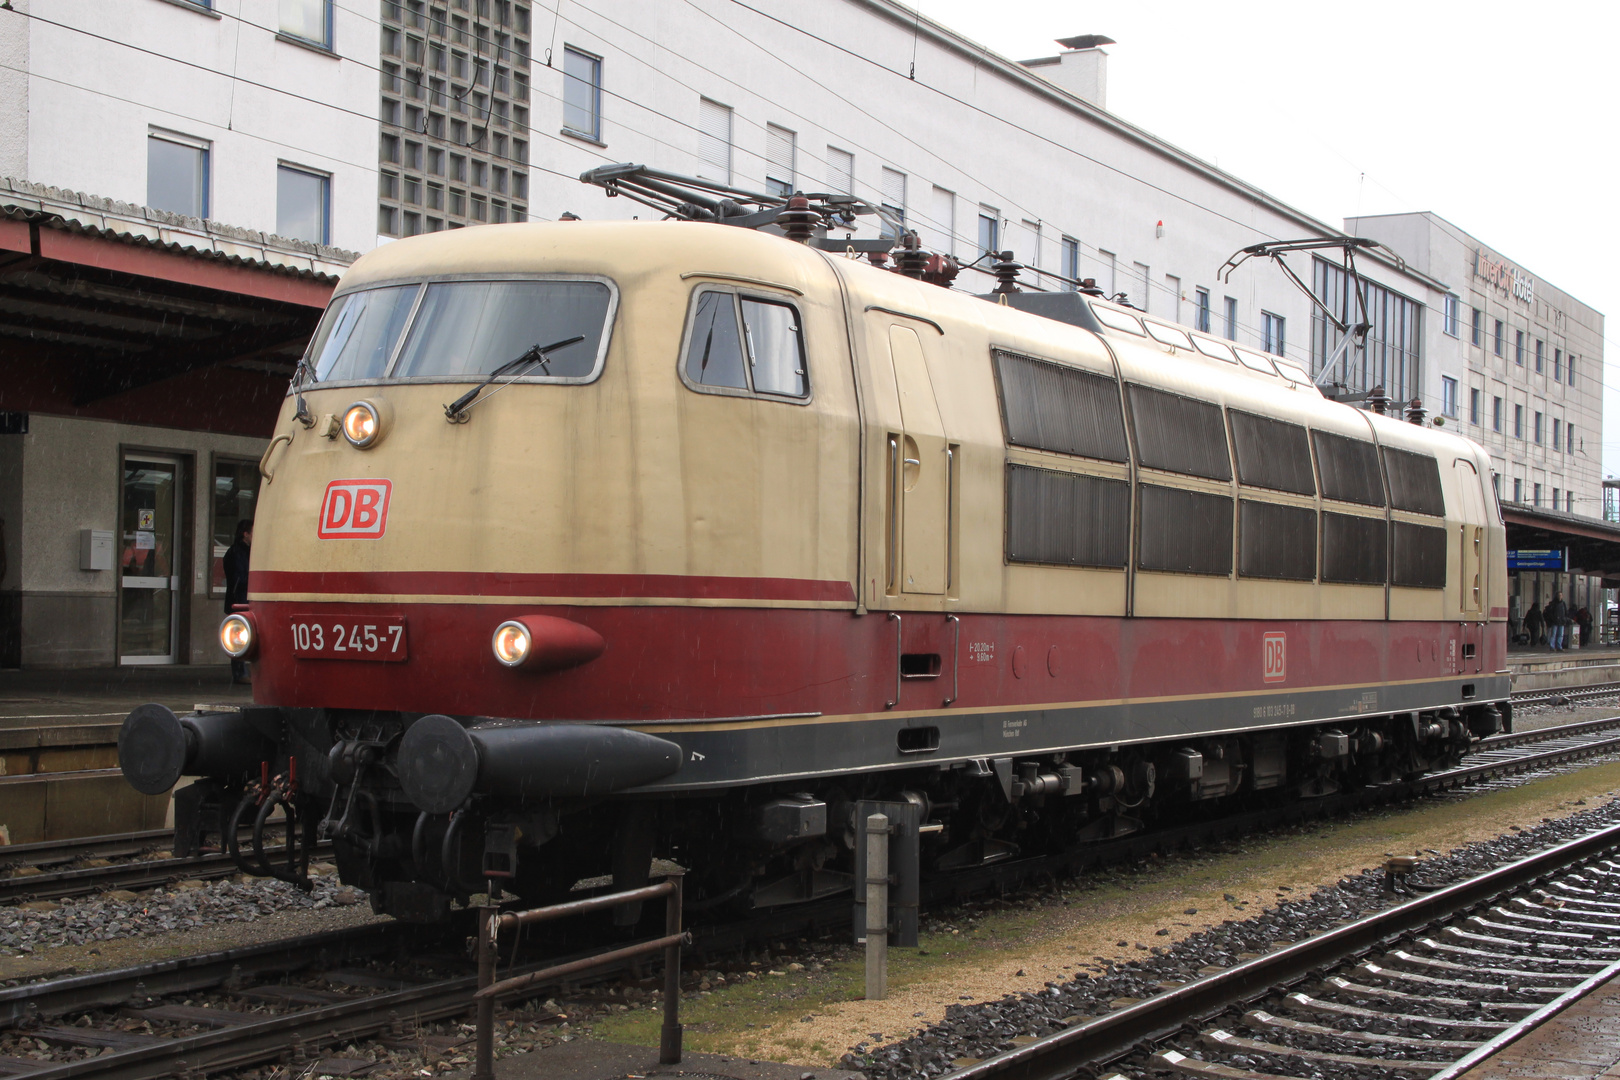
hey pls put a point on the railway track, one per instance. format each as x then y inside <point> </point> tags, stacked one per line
<point>1565,695</point>
<point>1425,989</point>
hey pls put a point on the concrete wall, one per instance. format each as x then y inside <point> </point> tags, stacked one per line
<point>71,480</point>
<point>14,36</point>
<point>112,71</point>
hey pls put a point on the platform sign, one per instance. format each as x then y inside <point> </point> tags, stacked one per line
<point>1538,559</point>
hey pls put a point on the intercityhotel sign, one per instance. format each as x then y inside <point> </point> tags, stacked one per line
<point>1504,277</point>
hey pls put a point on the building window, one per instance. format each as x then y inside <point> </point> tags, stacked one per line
<point>1272,330</point>
<point>1536,430</point>
<point>840,171</point>
<point>943,212</point>
<point>1473,406</point>
<point>1450,322</point>
<point>1518,490</point>
<point>781,146</point>
<point>894,194</point>
<point>989,229</point>
<point>1201,314</point>
<point>1540,354</point>
<point>1518,421</point>
<point>1071,264</point>
<point>1448,396</point>
<point>1477,334</point>
<point>1558,434</point>
<point>1496,415</point>
<point>1572,369</point>
<point>1518,347</point>
<point>1391,355</point>
<point>1535,494</point>
<point>308,20</point>
<point>177,174</point>
<point>1569,439</point>
<point>1569,502</point>
<point>1555,499</point>
<point>303,204</point>
<point>1558,365</point>
<point>1496,343</point>
<point>1231,318</point>
<point>714,141</point>
<point>582,93</point>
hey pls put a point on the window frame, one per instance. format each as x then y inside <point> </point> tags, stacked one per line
<point>992,216</point>
<point>326,199</point>
<point>594,135</point>
<point>1449,322</point>
<point>790,185</point>
<point>205,147</point>
<point>739,293</point>
<point>422,284</point>
<point>325,42</point>
<point>1475,397</point>
<point>1448,396</point>
<point>1273,331</point>
<point>1476,335</point>
<point>1201,310</point>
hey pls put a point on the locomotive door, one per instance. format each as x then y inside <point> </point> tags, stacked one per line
<point>1470,565</point>
<point>920,480</point>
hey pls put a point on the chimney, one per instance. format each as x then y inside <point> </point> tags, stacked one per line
<point>1081,69</point>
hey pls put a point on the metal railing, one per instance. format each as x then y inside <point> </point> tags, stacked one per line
<point>491,921</point>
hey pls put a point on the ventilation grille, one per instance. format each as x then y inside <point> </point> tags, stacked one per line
<point>1186,532</point>
<point>1066,519</point>
<point>1179,434</point>
<point>1414,482</point>
<point>1272,453</point>
<point>1355,550</point>
<point>1349,469</point>
<point>1276,541</point>
<point>1420,556</point>
<point>1050,406</point>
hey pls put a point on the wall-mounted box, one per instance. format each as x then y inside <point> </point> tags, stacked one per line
<point>95,549</point>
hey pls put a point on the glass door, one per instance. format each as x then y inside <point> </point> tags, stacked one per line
<point>148,581</point>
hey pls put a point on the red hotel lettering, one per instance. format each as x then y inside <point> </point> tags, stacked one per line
<point>1275,646</point>
<point>354,510</point>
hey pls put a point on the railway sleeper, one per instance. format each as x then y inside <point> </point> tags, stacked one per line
<point>1375,971</point>
<point>1177,1062</point>
<point>1401,956</point>
<point>1310,1004</point>
<point>1225,1040</point>
<point>1383,993</point>
<point>1494,956</point>
<point>1259,1019</point>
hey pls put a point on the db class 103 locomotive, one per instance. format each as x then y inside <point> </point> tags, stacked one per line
<point>585,544</point>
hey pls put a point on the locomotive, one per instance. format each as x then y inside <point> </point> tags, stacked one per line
<point>582,544</point>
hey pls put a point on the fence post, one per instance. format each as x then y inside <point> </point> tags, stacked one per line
<point>484,1056</point>
<point>669,1043</point>
<point>877,907</point>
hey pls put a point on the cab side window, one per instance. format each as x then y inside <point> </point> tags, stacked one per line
<point>745,343</point>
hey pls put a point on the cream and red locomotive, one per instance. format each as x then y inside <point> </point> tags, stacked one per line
<point>582,544</point>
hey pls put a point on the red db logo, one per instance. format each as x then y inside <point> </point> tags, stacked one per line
<point>1276,656</point>
<point>354,510</point>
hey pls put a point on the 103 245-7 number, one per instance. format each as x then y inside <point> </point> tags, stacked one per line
<point>348,637</point>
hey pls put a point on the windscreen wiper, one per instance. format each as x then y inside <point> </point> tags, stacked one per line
<point>456,411</point>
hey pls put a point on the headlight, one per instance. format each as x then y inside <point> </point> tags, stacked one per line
<point>362,424</point>
<point>511,643</point>
<point>236,635</point>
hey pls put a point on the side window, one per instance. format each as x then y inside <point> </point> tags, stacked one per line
<point>714,356</point>
<point>742,343</point>
<point>775,348</point>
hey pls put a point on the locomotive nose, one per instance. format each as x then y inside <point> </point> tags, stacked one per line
<point>441,763</point>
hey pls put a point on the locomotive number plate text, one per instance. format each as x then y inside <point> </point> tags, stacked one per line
<point>344,637</point>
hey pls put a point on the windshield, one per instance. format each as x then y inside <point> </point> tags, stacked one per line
<point>473,327</point>
<point>462,329</point>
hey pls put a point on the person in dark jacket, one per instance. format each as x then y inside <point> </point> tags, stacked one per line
<point>1532,625</point>
<point>236,585</point>
<point>1557,614</point>
<point>1583,619</point>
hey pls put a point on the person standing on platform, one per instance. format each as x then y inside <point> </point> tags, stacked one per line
<point>1557,614</point>
<point>236,587</point>
<point>1583,619</point>
<point>1532,625</point>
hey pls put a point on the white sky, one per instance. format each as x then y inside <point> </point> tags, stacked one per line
<point>1500,117</point>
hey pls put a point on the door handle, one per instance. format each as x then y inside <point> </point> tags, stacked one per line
<point>269,474</point>
<point>899,649</point>
<point>956,660</point>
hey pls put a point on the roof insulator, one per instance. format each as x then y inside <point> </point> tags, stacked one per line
<point>798,221</point>
<point>911,260</point>
<point>1415,413</point>
<point>1006,269</point>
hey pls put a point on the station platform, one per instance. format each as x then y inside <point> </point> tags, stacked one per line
<point>1580,1043</point>
<point>1542,669</point>
<point>43,698</point>
<point>587,1059</point>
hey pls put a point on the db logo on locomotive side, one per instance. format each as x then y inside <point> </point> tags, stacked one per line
<point>354,510</point>
<point>1276,657</point>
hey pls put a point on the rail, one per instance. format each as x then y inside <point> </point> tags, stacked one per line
<point>492,921</point>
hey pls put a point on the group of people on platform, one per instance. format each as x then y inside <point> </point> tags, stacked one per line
<point>1550,625</point>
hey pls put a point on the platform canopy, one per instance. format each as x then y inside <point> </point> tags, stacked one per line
<point>1593,545</point>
